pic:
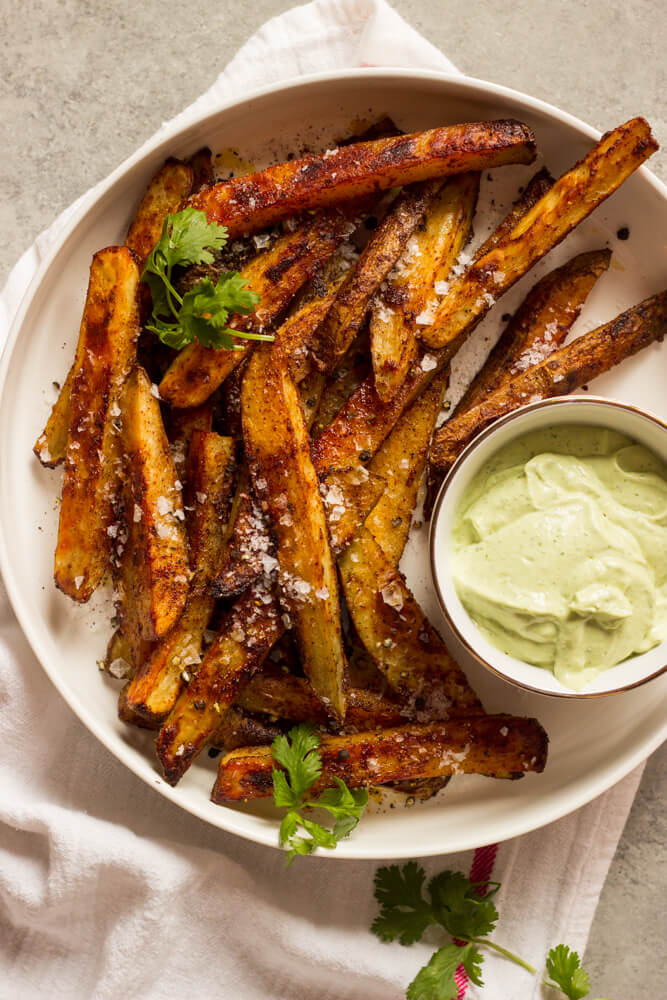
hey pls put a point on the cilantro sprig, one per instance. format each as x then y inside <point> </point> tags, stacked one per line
<point>566,974</point>
<point>297,753</point>
<point>203,312</point>
<point>463,908</point>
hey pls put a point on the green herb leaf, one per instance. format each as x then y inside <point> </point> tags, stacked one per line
<point>564,968</point>
<point>436,980</point>
<point>404,913</point>
<point>459,907</point>
<point>297,753</point>
<point>203,312</point>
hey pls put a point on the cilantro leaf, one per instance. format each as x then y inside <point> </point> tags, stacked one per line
<point>404,913</point>
<point>297,753</point>
<point>567,975</point>
<point>203,312</point>
<point>188,237</point>
<point>460,908</point>
<point>437,979</point>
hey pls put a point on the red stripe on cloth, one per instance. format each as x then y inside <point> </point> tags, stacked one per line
<point>481,870</point>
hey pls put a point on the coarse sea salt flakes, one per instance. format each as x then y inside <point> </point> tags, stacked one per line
<point>441,287</point>
<point>120,668</point>
<point>428,363</point>
<point>322,593</point>
<point>163,505</point>
<point>78,580</point>
<point>392,595</point>
<point>136,517</point>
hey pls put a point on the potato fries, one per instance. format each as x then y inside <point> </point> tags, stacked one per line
<point>257,540</point>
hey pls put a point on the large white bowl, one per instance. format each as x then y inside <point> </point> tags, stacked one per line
<point>589,411</point>
<point>592,744</point>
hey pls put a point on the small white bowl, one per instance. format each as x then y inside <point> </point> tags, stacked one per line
<point>646,429</point>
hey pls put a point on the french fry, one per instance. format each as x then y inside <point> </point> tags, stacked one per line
<point>203,174</point>
<point>180,427</point>
<point>365,420</point>
<point>406,292</point>
<point>251,628</point>
<point>240,729</point>
<point>349,495</point>
<point>285,482</point>
<point>166,191</point>
<point>339,386</point>
<point>247,204</point>
<point>571,199</point>
<point>51,445</point>
<point>537,187</point>
<point>397,635</point>
<point>276,276</point>
<point>296,332</point>
<point>153,691</point>
<point>489,745</point>
<point>540,325</point>
<point>564,371</point>
<point>311,388</point>
<point>156,551</point>
<point>400,462</point>
<point>288,697</point>
<point>343,320</point>
<point>104,355</point>
<point>243,559</point>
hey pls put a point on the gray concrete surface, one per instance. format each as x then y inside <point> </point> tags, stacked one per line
<point>85,81</point>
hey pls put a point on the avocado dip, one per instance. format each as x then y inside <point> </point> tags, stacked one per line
<point>560,550</point>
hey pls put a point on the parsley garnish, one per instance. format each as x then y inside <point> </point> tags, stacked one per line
<point>566,974</point>
<point>297,754</point>
<point>454,902</point>
<point>203,311</point>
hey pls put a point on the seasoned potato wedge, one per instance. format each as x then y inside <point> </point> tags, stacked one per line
<point>406,292</point>
<point>343,321</point>
<point>393,628</point>
<point>540,325</point>
<point>252,627</point>
<point>241,729</point>
<point>285,482</point>
<point>202,169</point>
<point>105,352</point>
<point>365,420</point>
<point>157,548</point>
<point>180,426</point>
<point>285,696</point>
<point>276,276</point>
<point>154,689</point>
<point>400,462</point>
<point>349,495</point>
<point>247,204</point>
<point>51,445</point>
<point>565,370</point>
<point>171,185</point>
<point>571,199</point>
<point>490,744</point>
<point>243,559</point>
<point>339,386</point>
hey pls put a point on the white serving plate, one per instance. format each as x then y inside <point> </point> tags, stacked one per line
<point>593,744</point>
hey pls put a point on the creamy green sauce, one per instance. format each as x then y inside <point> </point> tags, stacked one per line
<point>560,550</point>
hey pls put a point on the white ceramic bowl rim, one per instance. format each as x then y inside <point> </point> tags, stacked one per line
<point>458,620</point>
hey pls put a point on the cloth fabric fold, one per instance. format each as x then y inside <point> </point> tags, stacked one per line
<point>108,889</point>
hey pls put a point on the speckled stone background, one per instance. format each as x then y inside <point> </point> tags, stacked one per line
<point>84,82</point>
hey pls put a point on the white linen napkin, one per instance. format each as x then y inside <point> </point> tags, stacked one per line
<point>108,890</point>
